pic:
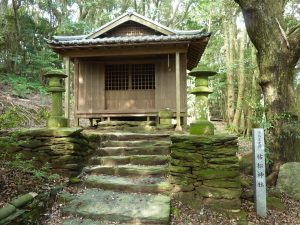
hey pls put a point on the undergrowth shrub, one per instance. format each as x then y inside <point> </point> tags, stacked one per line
<point>16,161</point>
<point>22,86</point>
<point>20,116</point>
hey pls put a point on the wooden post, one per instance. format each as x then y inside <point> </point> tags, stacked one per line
<point>178,107</point>
<point>75,82</point>
<point>67,86</point>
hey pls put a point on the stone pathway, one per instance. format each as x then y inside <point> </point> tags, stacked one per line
<point>125,183</point>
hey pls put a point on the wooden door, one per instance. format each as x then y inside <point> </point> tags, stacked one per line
<point>130,86</point>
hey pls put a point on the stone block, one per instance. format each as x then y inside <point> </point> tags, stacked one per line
<point>202,127</point>
<point>245,164</point>
<point>6,211</point>
<point>23,200</point>
<point>187,156</point>
<point>224,160</point>
<point>225,167</point>
<point>181,180</point>
<point>178,162</point>
<point>222,183</point>
<point>51,132</point>
<point>209,174</point>
<point>218,193</point>
<point>180,169</point>
<point>222,205</point>
<point>182,188</point>
<point>289,179</point>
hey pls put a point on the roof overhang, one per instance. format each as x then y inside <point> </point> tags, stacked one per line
<point>192,45</point>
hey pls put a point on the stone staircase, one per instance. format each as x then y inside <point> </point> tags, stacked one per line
<point>125,182</point>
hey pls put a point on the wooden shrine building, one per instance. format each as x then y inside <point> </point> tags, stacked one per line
<point>131,66</point>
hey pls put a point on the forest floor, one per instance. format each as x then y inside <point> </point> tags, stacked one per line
<point>19,177</point>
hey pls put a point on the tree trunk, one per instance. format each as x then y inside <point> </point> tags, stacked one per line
<point>229,66</point>
<point>241,83</point>
<point>277,56</point>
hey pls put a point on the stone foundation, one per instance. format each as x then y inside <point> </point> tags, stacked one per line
<point>66,149</point>
<point>204,171</point>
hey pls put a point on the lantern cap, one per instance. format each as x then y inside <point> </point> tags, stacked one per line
<point>202,71</point>
<point>55,73</point>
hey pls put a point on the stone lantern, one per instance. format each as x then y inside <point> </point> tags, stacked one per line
<point>201,92</point>
<point>56,88</point>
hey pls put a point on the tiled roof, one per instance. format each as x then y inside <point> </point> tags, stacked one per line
<point>80,40</point>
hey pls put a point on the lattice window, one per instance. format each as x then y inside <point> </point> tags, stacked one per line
<point>143,76</point>
<point>134,76</point>
<point>116,77</point>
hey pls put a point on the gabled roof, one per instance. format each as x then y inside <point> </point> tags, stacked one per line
<point>131,15</point>
<point>196,40</point>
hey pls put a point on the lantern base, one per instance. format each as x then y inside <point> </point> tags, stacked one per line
<point>57,121</point>
<point>202,127</point>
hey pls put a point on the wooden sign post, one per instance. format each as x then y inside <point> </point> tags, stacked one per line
<point>259,171</point>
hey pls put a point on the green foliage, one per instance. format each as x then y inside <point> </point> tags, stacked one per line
<point>17,116</point>
<point>11,118</point>
<point>9,141</point>
<point>176,212</point>
<point>19,163</point>
<point>22,86</point>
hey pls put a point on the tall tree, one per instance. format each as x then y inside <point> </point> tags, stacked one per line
<point>241,81</point>
<point>278,50</point>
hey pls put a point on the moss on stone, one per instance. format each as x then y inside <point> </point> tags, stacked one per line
<point>224,160</point>
<point>194,157</point>
<point>178,162</point>
<point>202,139</point>
<point>246,182</point>
<point>222,183</point>
<point>74,180</point>
<point>202,127</point>
<point>22,200</point>
<point>6,210</point>
<point>208,174</point>
<point>51,132</point>
<point>221,167</point>
<point>180,169</point>
<point>246,164</point>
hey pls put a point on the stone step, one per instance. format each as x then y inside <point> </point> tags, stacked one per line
<point>134,160</point>
<point>132,143</point>
<point>123,151</point>
<point>79,221</point>
<point>132,208</point>
<point>136,136</point>
<point>127,170</point>
<point>128,184</point>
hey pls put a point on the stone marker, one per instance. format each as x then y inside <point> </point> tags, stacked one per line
<point>259,171</point>
<point>165,118</point>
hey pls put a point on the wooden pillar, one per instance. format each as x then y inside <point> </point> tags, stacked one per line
<point>67,86</point>
<point>75,82</point>
<point>178,101</point>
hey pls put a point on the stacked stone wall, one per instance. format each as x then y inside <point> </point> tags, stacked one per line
<point>66,149</point>
<point>204,171</point>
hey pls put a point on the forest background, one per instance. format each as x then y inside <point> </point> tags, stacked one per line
<point>239,97</point>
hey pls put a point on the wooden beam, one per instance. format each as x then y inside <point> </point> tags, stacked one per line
<point>67,86</point>
<point>177,61</point>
